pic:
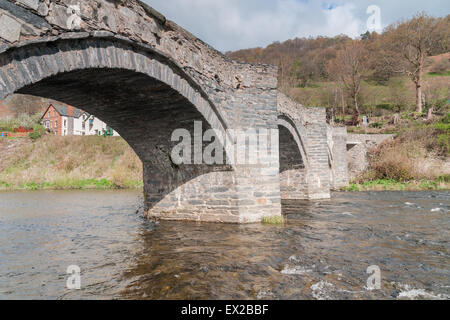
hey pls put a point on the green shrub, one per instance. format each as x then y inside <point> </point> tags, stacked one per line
<point>34,135</point>
<point>352,188</point>
<point>376,125</point>
<point>444,178</point>
<point>386,106</point>
<point>39,128</point>
<point>444,142</point>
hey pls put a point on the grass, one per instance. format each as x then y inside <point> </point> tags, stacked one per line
<point>442,183</point>
<point>273,220</point>
<point>71,184</point>
<point>417,159</point>
<point>419,152</point>
<point>439,74</point>
<point>53,162</point>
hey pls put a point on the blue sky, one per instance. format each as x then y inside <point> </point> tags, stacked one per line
<point>237,24</point>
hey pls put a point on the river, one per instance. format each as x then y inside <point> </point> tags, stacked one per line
<point>322,252</point>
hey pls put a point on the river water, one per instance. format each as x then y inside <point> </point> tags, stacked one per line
<point>322,252</point>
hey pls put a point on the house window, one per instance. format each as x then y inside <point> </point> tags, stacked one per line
<point>56,123</point>
<point>65,123</point>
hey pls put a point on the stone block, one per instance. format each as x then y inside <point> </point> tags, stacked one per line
<point>33,4</point>
<point>9,28</point>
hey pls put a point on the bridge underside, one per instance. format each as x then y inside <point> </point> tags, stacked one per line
<point>293,183</point>
<point>146,112</point>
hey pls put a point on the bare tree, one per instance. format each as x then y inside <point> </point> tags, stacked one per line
<point>410,43</point>
<point>350,68</point>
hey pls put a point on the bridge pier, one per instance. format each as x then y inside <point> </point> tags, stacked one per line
<point>238,196</point>
<point>338,153</point>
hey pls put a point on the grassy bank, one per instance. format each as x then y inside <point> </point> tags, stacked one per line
<point>72,162</point>
<point>442,183</point>
<point>417,159</point>
<point>71,184</point>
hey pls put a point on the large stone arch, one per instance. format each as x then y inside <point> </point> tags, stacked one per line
<point>125,87</point>
<point>45,46</point>
<point>285,122</point>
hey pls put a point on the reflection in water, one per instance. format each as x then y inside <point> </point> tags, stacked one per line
<point>321,253</point>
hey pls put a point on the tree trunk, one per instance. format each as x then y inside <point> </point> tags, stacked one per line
<point>419,101</point>
<point>430,114</point>
<point>356,105</point>
<point>419,86</point>
<point>335,103</point>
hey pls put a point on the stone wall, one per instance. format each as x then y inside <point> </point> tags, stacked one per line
<point>358,145</point>
<point>337,143</point>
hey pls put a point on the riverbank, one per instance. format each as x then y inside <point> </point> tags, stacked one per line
<point>417,159</point>
<point>71,184</point>
<point>440,184</point>
<point>65,163</point>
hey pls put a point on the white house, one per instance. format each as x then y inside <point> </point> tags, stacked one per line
<point>67,120</point>
<point>90,125</point>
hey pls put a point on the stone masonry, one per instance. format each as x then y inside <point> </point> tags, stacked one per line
<point>358,146</point>
<point>308,128</point>
<point>145,76</point>
<point>337,144</point>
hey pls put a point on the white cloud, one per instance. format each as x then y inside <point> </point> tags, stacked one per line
<point>237,24</point>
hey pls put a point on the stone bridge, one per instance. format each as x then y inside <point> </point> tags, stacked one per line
<point>146,77</point>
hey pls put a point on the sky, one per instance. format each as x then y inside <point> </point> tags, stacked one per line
<point>239,24</point>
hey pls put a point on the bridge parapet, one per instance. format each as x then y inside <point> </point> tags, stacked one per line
<point>22,21</point>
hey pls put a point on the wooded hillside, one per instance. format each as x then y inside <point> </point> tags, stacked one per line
<point>407,66</point>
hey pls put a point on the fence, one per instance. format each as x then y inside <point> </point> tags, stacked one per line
<point>13,134</point>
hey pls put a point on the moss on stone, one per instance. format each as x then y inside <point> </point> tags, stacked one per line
<point>274,220</point>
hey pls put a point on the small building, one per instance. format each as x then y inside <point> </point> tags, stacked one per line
<point>66,120</point>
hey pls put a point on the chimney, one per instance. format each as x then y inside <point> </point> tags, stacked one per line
<point>70,111</point>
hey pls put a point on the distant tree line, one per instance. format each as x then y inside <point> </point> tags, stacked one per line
<point>401,50</point>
